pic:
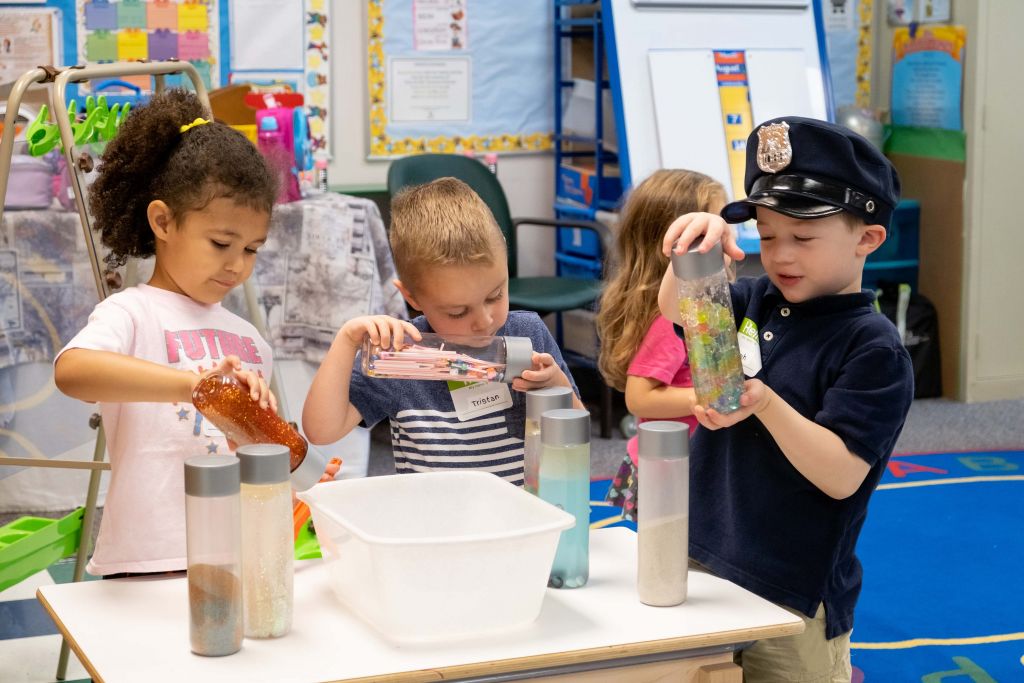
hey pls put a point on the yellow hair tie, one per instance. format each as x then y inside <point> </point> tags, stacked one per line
<point>197,122</point>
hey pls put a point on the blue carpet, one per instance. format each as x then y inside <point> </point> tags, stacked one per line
<point>943,553</point>
<point>943,556</point>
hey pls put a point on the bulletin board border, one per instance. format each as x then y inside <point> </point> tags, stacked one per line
<point>383,146</point>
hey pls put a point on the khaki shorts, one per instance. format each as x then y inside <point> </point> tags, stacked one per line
<point>804,658</point>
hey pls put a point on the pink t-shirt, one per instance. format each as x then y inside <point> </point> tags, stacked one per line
<point>143,527</point>
<point>662,357</point>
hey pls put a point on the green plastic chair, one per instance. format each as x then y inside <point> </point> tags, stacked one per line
<point>541,294</point>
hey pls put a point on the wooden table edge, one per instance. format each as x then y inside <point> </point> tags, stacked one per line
<point>609,653</point>
<point>68,637</point>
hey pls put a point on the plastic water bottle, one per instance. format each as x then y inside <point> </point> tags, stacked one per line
<point>565,483</point>
<point>491,162</point>
<point>663,526</point>
<point>538,402</point>
<point>705,308</point>
<point>213,541</point>
<point>271,138</point>
<point>267,540</point>
<point>321,174</point>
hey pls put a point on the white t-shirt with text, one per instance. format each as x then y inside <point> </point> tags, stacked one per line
<point>143,526</point>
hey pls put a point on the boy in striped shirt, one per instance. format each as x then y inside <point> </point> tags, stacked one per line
<point>452,261</point>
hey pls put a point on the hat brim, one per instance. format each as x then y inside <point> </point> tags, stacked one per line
<point>792,205</point>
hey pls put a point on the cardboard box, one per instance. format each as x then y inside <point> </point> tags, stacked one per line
<point>577,185</point>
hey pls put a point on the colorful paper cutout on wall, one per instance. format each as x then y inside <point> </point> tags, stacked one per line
<point>150,29</point>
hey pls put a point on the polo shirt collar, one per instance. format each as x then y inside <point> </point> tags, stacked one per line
<point>832,303</point>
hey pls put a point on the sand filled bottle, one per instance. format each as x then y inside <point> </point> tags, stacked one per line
<point>565,483</point>
<point>450,358</point>
<point>539,401</point>
<point>663,526</point>
<point>709,328</point>
<point>267,541</point>
<point>213,547</point>
<point>226,402</point>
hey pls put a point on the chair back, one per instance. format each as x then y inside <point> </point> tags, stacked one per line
<point>423,168</point>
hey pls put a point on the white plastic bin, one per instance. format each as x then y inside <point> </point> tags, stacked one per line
<point>438,555</point>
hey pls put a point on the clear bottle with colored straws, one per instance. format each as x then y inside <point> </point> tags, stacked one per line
<point>709,328</point>
<point>449,358</point>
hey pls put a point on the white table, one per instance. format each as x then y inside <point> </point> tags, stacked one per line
<point>137,629</point>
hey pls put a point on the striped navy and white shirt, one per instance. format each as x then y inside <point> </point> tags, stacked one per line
<point>426,433</point>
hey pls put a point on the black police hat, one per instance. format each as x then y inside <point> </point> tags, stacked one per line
<point>807,168</point>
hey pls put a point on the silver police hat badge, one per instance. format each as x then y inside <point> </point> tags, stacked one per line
<point>774,151</point>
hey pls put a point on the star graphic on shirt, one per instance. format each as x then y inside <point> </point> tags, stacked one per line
<point>211,447</point>
<point>182,415</point>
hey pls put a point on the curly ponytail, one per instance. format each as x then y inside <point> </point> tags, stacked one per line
<point>150,159</point>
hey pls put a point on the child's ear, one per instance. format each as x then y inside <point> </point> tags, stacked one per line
<point>871,239</point>
<point>160,218</point>
<point>407,295</point>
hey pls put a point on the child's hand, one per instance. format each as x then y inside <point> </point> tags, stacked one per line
<point>258,389</point>
<point>754,399</point>
<point>383,330</point>
<point>685,229</point>
<point>544,373</point>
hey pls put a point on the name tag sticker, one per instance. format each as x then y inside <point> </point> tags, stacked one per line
<point>750,349</point>
<point>473,400</point>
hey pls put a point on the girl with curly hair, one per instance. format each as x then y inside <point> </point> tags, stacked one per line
<point>640,352</point>
<point>196,195</point>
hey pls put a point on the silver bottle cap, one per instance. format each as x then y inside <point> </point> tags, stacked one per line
<point>211,476</point>
<point>539,401</point>
<point>518,357</point>
<point>565,427</point>
<point>663,439</point>
<point>694,265</point>
<point>264,463</point>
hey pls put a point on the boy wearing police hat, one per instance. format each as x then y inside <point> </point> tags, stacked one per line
<point>779,489</point>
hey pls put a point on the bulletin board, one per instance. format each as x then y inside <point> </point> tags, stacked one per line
<point>457,75</point>
<point>199,32</point>
<point>691,79</point>
<point>849,37</point>
<point>127,30</point>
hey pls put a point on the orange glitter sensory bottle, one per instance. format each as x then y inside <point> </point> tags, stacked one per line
<point>225,402</point>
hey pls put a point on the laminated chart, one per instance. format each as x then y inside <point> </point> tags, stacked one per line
<point>127,30</point>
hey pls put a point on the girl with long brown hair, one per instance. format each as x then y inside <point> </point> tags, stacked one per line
<point>641,354</point>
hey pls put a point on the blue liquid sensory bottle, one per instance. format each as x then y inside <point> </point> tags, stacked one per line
<point>565,483</point>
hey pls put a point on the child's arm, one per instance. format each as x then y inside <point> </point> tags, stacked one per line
<point>328,415</point>
<point>545,373</point>
<point>650,399</point>
<point>108,377</point>
<point>668,297</point>
<point>815,451</point>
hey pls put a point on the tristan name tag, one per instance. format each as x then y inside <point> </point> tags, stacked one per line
<point>475,399</point>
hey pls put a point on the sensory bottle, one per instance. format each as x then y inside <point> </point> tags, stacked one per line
<point>213,541</point>
<point>663,524</point>
<point>267,542</point>
<point>449,357</point>
<point>226,402</point>
<point>539,401</point>
<point>709,328</point>
<point>565,483</point>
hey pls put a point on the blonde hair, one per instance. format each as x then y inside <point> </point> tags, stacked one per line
<point>442,223</point>
<point>630,301</point>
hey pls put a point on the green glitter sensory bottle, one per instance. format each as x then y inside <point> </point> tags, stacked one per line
<point>709,328</point>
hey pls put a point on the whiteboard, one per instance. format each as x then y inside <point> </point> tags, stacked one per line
<point>691,136</point>
<point>666,97</point>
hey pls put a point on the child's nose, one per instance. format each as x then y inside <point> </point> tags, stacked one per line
<point>482,321</point>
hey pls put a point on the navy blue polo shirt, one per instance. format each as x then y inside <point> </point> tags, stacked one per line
<point>754,519</point>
